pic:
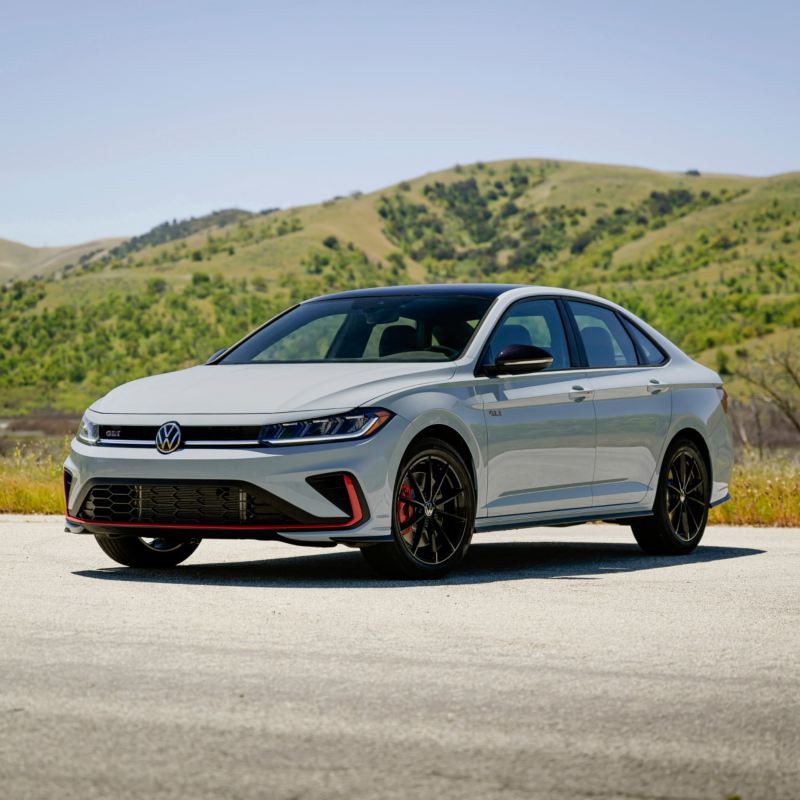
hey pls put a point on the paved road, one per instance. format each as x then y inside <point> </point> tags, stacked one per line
<point>561,664</point>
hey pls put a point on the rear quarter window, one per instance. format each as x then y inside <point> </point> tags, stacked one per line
<point>649,352</point>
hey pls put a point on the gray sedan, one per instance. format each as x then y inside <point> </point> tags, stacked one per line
<point>401,421</point>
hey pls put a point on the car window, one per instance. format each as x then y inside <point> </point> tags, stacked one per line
<point>605,341</point>
<point>532,322</point>
<point>392,327</point>
<point>649,352</point>
<point>310,341</point>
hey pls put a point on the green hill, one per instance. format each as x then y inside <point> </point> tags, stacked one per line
<point>18,261</point>
<point>711,260</point>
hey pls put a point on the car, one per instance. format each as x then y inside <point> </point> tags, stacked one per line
<point>402,420</point>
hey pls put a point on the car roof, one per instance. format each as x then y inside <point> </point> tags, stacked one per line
<point>430,290</point>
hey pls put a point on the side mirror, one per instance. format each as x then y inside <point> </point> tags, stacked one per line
<point>519,359</point>
<point>212,359</point>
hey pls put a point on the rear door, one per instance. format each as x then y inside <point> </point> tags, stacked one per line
<point>540,427</point>
<point>631,400</point>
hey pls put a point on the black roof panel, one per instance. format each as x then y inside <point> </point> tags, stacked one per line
<point>433,289</point>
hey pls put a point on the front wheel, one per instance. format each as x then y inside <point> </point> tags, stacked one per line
<point>433,514</point>
<point>133,551</point>
<point>680,510</point>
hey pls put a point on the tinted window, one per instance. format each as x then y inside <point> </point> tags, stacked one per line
<point>604,338</point>
<point>377,328</point>
<point>310,341</point>
<point>649,352</point>
<point>532,322</point>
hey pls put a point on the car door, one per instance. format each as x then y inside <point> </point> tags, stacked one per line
<point>632,403</point>
<point>540,427</point>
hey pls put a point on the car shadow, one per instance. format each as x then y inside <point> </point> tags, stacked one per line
<point>484,563</point>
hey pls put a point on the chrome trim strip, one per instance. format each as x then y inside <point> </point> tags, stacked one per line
<point>128,442</point>
<point>534,362</point>
<point>223,443</point>
<point>192,443</point>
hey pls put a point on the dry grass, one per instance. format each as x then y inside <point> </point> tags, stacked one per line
<point>765,492</point>
<point>31,478</point>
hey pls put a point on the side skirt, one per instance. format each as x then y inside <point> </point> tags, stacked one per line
<point>558,519</point>
<point>720,501</point>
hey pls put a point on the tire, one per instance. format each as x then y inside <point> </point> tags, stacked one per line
<point>132,551</point>
<point>428,538</point>
<point>680,510</point>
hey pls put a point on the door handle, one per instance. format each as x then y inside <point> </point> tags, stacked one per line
<point>578,393</point>
<point>656,387</point>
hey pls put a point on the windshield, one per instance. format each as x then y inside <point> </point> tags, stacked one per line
<point>378,328</point>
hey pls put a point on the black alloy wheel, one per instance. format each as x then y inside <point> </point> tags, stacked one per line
<point>433,514</point>
<point>686,495</point>
<point>680,511</point>
<point>153,552</point>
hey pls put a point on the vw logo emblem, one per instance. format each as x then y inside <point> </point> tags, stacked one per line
<point>168,437</point>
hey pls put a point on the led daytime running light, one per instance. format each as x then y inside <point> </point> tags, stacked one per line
<point>357,424</point>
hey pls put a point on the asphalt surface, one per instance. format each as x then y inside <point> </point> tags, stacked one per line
<point>557,663</point>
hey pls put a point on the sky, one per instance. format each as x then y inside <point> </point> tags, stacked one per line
<point>117,116</point>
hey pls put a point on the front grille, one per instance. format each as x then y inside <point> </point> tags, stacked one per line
<point>206,503</point>
<point>146,434</point>
<point>199,504</point>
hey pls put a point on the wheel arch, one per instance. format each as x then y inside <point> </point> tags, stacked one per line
<point>697,439</point>
<point>452,437</point>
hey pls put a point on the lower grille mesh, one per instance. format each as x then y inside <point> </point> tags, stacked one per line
<point>200,504</point>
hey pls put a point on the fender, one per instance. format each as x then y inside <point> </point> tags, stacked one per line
<point>461,411</point>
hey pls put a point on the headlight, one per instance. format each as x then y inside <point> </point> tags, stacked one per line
<point>88,431</point>
<point>358,424</point>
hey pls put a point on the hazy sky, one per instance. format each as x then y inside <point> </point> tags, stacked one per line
<point>116,116</point>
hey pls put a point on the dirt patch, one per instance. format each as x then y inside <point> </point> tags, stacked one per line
<point>47,425</point>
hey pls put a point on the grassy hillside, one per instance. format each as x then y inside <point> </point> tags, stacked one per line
<point>18,261</point>
<point>713,261</point>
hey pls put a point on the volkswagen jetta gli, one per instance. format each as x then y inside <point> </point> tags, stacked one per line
<point>402,420</point>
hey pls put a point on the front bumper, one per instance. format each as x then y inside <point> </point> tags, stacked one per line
<point>282,472</point>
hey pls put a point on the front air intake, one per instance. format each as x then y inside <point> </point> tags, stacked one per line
<point>207,504</point>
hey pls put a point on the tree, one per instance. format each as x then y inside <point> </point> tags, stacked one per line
<point>776,378</point>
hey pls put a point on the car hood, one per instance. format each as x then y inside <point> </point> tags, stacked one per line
<point>268,388</point>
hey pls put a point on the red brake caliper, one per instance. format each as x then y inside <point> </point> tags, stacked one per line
<point>404,510</point>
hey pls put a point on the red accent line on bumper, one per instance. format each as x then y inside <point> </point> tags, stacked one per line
<point>356,515</point>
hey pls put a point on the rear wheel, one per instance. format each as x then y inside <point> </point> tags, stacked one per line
<point>133,551</point>
<point>433,514</point>
<point>680,511</point>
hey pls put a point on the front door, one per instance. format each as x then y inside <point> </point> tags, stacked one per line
<point>540,427</point>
